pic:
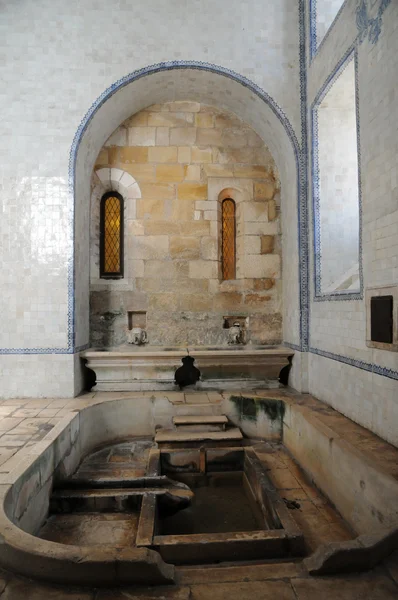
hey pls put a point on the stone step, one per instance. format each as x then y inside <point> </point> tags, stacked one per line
<point>177,436</point>
<point>197,409</point>
<point>198,419</point>
<point>200,428</point>
<point>200,423</point>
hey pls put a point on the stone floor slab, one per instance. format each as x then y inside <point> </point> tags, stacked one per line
<point>196,398</point>
<point>270,590</point>
<point>175,397</point>
<point>161,593</point>
<point>26,412</point>
<point>103,529</point>
<point>8,423</point>
<point>17,589</point>
<point>367,587</point>
<point>262,572</point>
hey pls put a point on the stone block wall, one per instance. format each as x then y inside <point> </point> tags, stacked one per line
<point>186,158</point>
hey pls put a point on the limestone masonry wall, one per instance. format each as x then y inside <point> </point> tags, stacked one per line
<point>186,158</point>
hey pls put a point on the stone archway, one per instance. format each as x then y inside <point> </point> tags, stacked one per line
<point>184,81</point>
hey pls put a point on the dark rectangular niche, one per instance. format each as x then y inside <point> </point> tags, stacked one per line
<point>381,319</point>
<point>230,320</point>
<point>136,318</point>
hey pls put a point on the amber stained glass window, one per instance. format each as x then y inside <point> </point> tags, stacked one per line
<point>228,239</point>
<point>111,235</point>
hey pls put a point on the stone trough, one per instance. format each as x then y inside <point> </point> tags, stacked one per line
<point>141,368</point>
<point>237,474</point>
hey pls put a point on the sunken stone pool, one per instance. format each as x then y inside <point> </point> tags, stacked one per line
<point>100,502</point>
<point>195,506</point>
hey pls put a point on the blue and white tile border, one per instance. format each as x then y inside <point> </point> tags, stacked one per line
<point>367,26</point>
<point>359,364</point>
<point>20,351</point>
<point>302,199</point>
<point>350,55</point>
<point>303,233</point>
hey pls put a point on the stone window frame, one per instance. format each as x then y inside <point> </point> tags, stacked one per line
<point>386,290</point>
<point>106,180</point>
<point>222,257</point>
<point>103,237</point>
<point>239,191</point>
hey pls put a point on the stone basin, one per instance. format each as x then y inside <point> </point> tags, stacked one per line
<point>147,368</point>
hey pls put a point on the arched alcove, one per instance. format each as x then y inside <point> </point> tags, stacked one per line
<point>206,84</point>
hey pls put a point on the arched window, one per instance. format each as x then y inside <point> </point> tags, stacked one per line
<point>111,236</point>
<point>228,246</point>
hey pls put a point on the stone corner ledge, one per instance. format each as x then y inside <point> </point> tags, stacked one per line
<point>363,553</point>
<point>36,558</point>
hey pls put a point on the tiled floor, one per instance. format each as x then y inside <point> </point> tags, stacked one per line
<point>25,422</point>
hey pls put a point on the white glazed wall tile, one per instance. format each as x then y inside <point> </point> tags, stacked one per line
<point>323,14</point>
<point>339,38</point>
<point>338,181</point>
<point>38,376</point>
<point>330,329</point>
<point>290,258</point>
<point>51,86</point>
<point>365,397</point>
<point>338,328</point>
<point>39,122</point>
